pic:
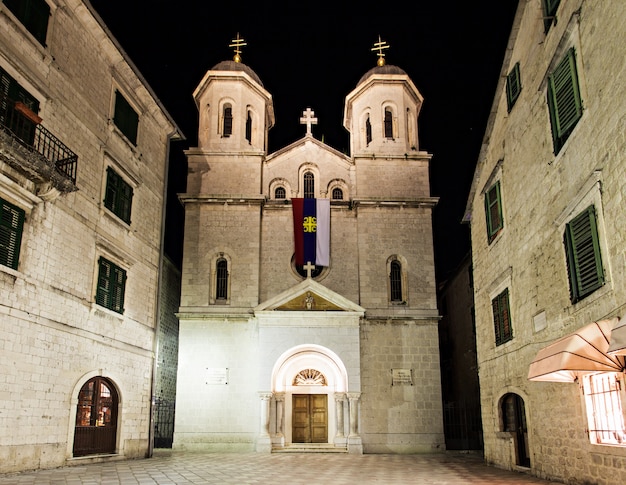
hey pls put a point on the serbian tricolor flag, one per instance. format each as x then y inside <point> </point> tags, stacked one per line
<point>311,228</point>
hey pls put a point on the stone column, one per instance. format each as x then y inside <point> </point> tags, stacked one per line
<point>339,399</point>
<point>264,443</point>
<point>355,444</point>
<point>279,437</point>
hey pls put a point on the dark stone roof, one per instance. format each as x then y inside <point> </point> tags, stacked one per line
<point>386,69</point>
<point>237,66</point>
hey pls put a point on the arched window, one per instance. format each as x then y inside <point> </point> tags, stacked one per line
<point>395,281</point>
<point>228,120</point>
<point>309,185</point>
<point>279,193</point>
<point>337,194</point>
<point>249,128</point>
<point>368,131</point>
<point>221,280</point>
<point>96,418</point>
<point>388,123</point>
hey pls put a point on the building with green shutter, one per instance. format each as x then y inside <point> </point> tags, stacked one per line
<point>83,170</point>
<point>547,216</point>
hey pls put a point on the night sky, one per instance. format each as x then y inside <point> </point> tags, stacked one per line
<point>312,54</point>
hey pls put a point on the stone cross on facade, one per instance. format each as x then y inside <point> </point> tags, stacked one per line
<point>308,267</point>
<point>308,119</point>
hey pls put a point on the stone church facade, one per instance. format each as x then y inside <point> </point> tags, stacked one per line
<point>84,144</point>
<point>274,355</point>
<point>548,244</point>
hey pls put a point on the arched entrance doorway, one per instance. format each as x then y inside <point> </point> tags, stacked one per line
<point>514,421</point>
<point>96,418</point>
<point>312,383</point>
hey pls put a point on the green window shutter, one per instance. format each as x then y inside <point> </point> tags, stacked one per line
<point>549,12</point>
<point>11,228</point>
<point>513,86</point>
<point>564,101</point>
<point>34,15</point>
<point>118,196</point>
<point>126,118</point>
<point>584,261</point>
<point>493,211</point>
<point>111,286</point>
<point>502,317</point>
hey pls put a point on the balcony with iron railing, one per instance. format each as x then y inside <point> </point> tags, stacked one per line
<point>30,148</point>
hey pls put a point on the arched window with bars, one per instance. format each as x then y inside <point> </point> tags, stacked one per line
<point>280,193</point>
<point>227,114</point>
<point>388,122</point>
<point>221,279</point>
<point>309,185</point>
<point>395,281</point>
<point>337,194</point>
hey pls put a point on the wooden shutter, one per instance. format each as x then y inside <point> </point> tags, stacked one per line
<point>11,227</point>
<point>564,101</point>
<point>111,286</point>
<point>126,118</point>
<point>584,261</point>
<point>118,196</point>
<point>513,86</point>
<point>502,317</point>
<point>493,210</point>
<point>34,15</point>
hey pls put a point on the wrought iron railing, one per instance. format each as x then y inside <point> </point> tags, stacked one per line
<point>24,125</point>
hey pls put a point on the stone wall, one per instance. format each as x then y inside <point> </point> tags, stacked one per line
<point>541,192</point>
<point>53,336</point>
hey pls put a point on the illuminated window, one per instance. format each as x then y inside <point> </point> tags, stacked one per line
<point>603,397</point>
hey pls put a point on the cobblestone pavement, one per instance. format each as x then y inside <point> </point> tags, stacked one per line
<point>168,468</point>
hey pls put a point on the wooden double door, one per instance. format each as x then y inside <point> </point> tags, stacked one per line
<point>96,418</point>
<point>309,418</point>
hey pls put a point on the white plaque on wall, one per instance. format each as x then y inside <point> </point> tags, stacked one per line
<point>401,377</point>
<point>217,375</point>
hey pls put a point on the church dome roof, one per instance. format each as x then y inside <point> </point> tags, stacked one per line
<point>237,66</point>
<point>386,69</point>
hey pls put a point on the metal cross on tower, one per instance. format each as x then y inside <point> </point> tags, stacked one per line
<point>379,46</point>
<point>237,44</point>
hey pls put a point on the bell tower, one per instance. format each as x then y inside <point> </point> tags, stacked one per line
<point>224,198</point>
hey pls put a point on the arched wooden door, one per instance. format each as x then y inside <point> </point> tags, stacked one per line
<point>514,418</point>
<point>96,418</point>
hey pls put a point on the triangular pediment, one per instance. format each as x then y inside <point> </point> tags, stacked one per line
<point>309,295</point>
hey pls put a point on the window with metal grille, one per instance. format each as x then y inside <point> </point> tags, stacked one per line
<point>11,227</point>
<point>125,118</point>
<point>549,12</point>
<point>395,281</point>
<point>111,286</point>
<point>513,86</point>
<point>502,317</point>
<point>118,196</point>
<point>309,185</point>
<point>493,211</point>
<point>368,131</point>
<point>388,122</point>
<point>564,101</point>
<point>228,120</point>
<point>221,283</point>
<point>33,14</point>
<point>337,194</point>
<point>279,193</point>
<point>605,418</point>
<point>249,128</point>
<point>582,251</point>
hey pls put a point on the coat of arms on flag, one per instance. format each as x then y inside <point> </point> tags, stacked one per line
<point>311,228</point>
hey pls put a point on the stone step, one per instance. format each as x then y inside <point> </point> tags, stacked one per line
<point>310,448</point>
